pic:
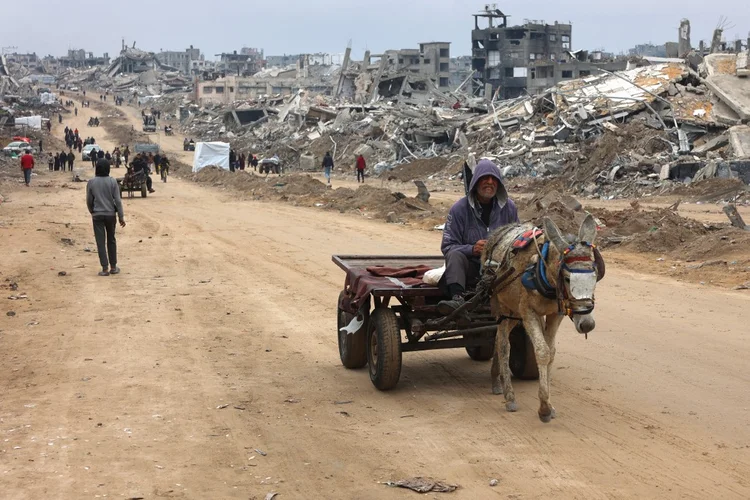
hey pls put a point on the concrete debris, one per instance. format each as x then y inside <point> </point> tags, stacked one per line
<point>649,129</point>
<point>739,138</point>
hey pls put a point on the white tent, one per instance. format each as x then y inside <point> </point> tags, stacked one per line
<point>211,154</point>
<point>34,122</point>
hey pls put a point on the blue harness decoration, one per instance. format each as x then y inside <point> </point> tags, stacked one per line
<point>535,276</point>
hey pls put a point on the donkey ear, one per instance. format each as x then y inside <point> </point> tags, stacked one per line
<point>552,232</point>
<point>587,232</point>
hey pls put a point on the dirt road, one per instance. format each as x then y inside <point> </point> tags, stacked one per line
<point>218,342</point>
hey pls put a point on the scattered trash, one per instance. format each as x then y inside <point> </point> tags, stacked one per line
<point>261,453</point>
<point>18,297</point>
<point>221,407</point>
<point>10,313</point>
<point>68,241</point>
<point>424,485</point>
<point>493,482</point>
<point>271,496</point>
<point>343,402</point>
<point>62,273</point>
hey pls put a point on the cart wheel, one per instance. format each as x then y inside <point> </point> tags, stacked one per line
<point>352,347</point>
<point>384,348</point>
<point>144,191</point>
<point>482,353</point>
<point>522,358</point>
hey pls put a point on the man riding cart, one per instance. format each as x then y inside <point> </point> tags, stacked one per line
<point>507,306</point>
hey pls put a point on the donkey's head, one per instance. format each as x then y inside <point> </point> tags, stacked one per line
<point>576,272</point>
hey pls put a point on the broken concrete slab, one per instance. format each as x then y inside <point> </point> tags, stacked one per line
<point>743,64</point>
<point>735,92</point>
<point>724,114</point>
<point>739,138</point>
<point>720,64</point>
<point>712,145</point>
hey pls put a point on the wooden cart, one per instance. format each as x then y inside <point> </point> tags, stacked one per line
<point>381,317</point>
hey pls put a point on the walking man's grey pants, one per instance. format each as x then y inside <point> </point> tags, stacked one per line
<point>104,232</point>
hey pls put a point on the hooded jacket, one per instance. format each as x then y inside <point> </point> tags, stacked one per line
<point>464,226</point>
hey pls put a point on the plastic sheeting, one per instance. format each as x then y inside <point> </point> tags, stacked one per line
<point>211,154</point>
<point>34,122</point>
<point>48,98</point>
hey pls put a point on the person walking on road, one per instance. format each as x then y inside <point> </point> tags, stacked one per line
<point>105,206</point>
<point>27,165</point>
<point>71,159</point>
<point>328,166</point>
<point>361,166</point>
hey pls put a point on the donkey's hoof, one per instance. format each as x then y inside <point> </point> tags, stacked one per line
<point>497,389</point>
<point>511,406</point>
<point>553,413</point>
<point>546,418</point>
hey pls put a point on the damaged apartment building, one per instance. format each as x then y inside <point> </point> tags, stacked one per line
<point>514,60</point>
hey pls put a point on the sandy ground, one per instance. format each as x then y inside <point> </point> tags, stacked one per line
<point>218,342</point>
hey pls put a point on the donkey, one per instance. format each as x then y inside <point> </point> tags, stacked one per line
<point>571,271</point>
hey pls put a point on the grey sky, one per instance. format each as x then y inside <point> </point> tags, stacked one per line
<point>293,26</point>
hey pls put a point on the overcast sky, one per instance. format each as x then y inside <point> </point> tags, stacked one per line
<point>294,26</point>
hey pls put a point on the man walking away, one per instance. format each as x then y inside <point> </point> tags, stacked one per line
<point>361,166</point>
<point>50,161</point>
<point>41,149</point>
<point>71,159</point>
<point>27,165</point>
<point>328,166</point>
<point>104,204</point>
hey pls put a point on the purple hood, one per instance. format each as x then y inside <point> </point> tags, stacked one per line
<point>483,169</point>
<point>464,225</point>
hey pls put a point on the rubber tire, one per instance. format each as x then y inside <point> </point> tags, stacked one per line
<point>352,347</point>
<point>144,191</point>
<point>483,353</point>
<point>385,364</point>
<point>522,357</point>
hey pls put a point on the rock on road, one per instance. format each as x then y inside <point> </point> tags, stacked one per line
<point>218,340</point>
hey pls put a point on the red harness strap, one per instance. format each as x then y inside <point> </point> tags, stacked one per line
<point>523,241</point>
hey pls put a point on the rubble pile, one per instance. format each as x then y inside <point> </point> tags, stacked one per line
<point>304,190</point>
<point>660,231</point>
<point>643,131</point>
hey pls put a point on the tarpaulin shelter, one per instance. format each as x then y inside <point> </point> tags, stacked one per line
<point>208,154</point>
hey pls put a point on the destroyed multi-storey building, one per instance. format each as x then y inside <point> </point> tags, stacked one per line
<point>239,64</point>
<point>79,58</point>
<point>28,61</point>
<point>133,60</point>
<point>182,60</point>
<point>531,57</point>
<point>460,69</point>
<point>648,50</point>
<point>431,60</point>
<point>281,61</point>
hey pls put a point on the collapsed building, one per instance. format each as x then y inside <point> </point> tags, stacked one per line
<point>514,60</point>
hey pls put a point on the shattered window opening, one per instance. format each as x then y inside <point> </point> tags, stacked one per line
<point>567,73</point>
<point>566,45</point>
<point>219,90</point>
<point>208,90</point>
<point>445,53</point>
<point>553,38</point>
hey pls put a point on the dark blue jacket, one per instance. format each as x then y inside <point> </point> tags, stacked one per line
<point>464,226</point>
